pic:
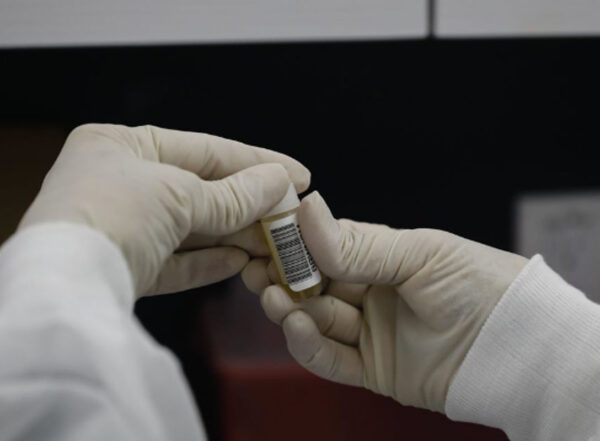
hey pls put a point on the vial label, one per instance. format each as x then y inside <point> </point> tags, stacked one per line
<point>297,263</point>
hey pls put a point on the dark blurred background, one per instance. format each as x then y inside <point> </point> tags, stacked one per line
<point>422,133</point>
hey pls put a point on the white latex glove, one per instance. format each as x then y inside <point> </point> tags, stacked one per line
<point>401,310</point>
<point>148,189</point>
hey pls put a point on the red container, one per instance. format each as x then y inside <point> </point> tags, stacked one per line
<point>263,395</point>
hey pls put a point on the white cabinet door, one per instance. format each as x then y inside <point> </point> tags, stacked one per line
<point>84,22</point>
<point>460,18</point>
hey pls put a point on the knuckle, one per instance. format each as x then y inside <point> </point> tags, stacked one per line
<point>349,249</point>
<point>305,178</point>
<point>223,205</point>
<point>84,130</point>
<point>342,254</point>
<point>433,241</point>
<point>331,315</point>
<point>429,235</point>
<point>297,321</point>
<point>91,127</point>
<point>334,365</point>
<point>94,131</point>
<point>311,360</point>
<point>267,299</point>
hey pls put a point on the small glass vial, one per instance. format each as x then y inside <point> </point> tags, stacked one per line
<point>296,268</point>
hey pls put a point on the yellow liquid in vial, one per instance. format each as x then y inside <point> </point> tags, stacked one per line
<point>296,296</point>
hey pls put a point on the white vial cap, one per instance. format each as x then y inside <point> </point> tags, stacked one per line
<point>289,202</point>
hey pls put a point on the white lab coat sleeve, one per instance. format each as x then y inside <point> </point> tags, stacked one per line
<point>74,362</point>
<point>534,369</point>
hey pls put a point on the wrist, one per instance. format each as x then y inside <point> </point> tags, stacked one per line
<point>534,357</point>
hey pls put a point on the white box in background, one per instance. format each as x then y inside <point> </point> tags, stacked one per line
<point>512,18</point>
<point>41,23</point>
<point>565,229</point>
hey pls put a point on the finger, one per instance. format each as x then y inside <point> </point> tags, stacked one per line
<point>320,355</point>
<point>272,272</point>
<point>333,317</point>
<point>277,304</point>
<point>194,269</point>
<point>212,157</point>
<point>231,204</point>
<point>357,252</point>
<point>207,156</point>
<point>351,293</point>
<point>255,276</point>
<point>251,239</point>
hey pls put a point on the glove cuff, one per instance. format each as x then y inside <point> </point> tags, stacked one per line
<point>533,369</point>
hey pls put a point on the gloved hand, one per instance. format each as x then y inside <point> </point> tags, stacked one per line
<point>148,189</point>
<point>401,310</point>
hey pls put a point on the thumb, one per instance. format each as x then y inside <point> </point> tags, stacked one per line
<point>230,204</point>
<point>354,251</point>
